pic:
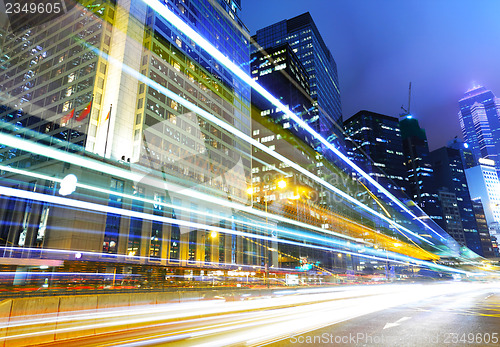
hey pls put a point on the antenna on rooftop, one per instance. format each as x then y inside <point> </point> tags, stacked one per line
<point>407,111</point>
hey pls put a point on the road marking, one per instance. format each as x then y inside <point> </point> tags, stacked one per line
<point>396,323</point>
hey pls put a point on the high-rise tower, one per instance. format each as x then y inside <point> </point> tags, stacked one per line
<point>480,122</point>
<point>118,82</point>
<point>305,40</point>
<point>417,162</point>
<point>375,144</point>
<point>484,184</point>
<point>449,173</point>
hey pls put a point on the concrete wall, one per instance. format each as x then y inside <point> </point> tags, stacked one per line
<point>20,317</point>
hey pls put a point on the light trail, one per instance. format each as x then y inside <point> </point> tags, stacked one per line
<point>264,148</point>
<point>108,209</point>
<point>185,209</point>
<point>253,321</point>
<point>209,48</point>
<point>261,226</point>
<point>76,274</point>
<point>402,230</point>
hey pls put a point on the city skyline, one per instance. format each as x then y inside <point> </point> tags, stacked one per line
<point>441,56</point>
<point>158,174</point>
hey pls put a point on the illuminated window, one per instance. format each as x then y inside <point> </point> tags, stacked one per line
<point>66,106</point>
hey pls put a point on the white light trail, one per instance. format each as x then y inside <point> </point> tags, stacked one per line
<point>250,140</point>
<point>191,194</point>
<point>278,316</point>
<point>209,48</point>
<point>396,258</point>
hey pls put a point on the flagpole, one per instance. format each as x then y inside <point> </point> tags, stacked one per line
<point>107,131</point>
<point>70,130</point>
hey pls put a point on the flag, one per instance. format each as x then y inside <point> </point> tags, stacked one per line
<point>107,116</point>
<point>85,112</point>
<point>65,119</point>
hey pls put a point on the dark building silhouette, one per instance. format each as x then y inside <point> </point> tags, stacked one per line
<point>418,167</point>
<point>488,243</point>
<point>449,173</point>
<point>374,143</point>
<point>305,40</point>
<point>279,71</point>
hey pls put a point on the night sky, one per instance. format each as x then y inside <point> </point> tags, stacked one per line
<point>443,47</point>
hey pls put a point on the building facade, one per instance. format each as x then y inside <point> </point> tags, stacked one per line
<point>489,243</point>
<point>374,143</point>
<point>305,40</point>
<point>419,170</point>
<point>484,185</point>
<point>479,117</point>
<point>449,173</point>
<point>95,82</point>
<point>279,71</point>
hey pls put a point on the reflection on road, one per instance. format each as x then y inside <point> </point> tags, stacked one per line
<point>245,319</point>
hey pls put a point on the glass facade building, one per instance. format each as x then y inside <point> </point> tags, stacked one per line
<point>96,82</point>
<point>484,184</point>
<point>418,167</point>
<point>49,72</point>
<point>480,122</point>
<point>488,242</point>
<point>449,173</point>
<point>374,142</point>
<point>280,72</point>
<point>306,42</point>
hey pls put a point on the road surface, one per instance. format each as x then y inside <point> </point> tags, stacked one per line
<point>440,314</point>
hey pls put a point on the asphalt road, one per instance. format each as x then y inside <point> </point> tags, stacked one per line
<point>442,314</point>
<point>463,319</point>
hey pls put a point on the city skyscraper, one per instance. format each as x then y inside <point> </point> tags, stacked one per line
<point>374,142</point>
<point>451,221</point>
<point>278,70</point>
<point>112,83</point>
<point>489,243</point>
<point>479,117</point>
<point>484,184</point>
<point>449,173</point>
<point>305,39</point>
<point>418,167</point>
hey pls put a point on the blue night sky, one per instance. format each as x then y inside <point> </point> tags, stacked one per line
<point>443,47</point>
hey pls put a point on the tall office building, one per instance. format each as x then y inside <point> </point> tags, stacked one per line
<point>418,167</point>
<point>279,71</point>
<point>449,173</point>
<point>489,243</point>
<point>484,184</point>
<point>374,143</point>
<point>113,81</point>
<point>305,39</point>
<point>480,122</point>
<point>466,155</point>
<point>51,78</point>
<point>451,220</point>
